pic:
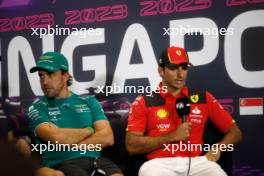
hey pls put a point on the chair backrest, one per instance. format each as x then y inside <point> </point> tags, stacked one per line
<point>118,153</point>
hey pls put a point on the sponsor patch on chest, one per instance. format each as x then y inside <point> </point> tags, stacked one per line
<point>80,108</point>
<point>196,115</point>
<point>163,126</point>
<point>162,113</point>
<point>54,113</point>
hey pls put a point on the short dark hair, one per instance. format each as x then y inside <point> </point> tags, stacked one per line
<point>162,65</point>
<point>69,81</point>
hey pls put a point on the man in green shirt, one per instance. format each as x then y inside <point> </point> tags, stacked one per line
<point>69,130</point>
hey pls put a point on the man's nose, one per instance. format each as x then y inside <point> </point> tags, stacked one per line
<point>44,80</point>
<point>179,73</point>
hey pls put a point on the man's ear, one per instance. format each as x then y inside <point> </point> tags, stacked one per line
<point>66,77</point>
<point>161,71</point>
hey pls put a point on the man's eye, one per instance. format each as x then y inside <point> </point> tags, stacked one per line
<point>184,67</point>
<point>175,67</point>
<point>172,67</point>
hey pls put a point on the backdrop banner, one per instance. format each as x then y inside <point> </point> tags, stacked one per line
<point>114,45</point>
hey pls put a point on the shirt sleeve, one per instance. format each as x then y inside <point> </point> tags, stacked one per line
<point>36,115</point>
<point>97,110</point>
<point>137,118</point>
<point>222,119</point>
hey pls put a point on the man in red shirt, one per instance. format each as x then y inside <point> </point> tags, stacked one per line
<point>174,146</point>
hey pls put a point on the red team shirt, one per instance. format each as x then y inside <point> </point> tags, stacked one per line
<point>158,120</point>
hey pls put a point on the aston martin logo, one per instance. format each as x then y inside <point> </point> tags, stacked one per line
<point>194,98</point>
<point>46,57</point>
<point>162,113</point>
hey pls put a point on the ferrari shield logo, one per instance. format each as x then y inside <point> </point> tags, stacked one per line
<point>194,98</point>
<point>178,52</point>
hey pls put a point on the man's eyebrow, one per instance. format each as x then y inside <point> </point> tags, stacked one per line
<point>41,74</point>
<point>173,66</point>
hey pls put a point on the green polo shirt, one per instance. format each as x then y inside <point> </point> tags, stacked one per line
<point>72,112</point>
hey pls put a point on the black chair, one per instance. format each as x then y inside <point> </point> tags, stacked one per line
<point>118,153</point>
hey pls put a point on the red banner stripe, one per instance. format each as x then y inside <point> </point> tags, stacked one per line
<point>251,102</point>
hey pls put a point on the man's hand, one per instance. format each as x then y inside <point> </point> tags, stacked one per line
<point>23,146</point>
<point>103,134</point>
<point>213,155</point>
<point>183,131</point>
<point>46,171</point>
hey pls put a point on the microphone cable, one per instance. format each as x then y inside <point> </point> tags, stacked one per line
<point>183,109</point>
<point>189,154</point>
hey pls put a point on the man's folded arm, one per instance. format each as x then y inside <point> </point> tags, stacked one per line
<point>137,142</point>
<point>103,134</point>
<point>50,132</point>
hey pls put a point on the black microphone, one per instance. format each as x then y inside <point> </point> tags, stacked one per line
<point>183,107</point>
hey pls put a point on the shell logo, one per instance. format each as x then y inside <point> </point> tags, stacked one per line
<point>162,113</point>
